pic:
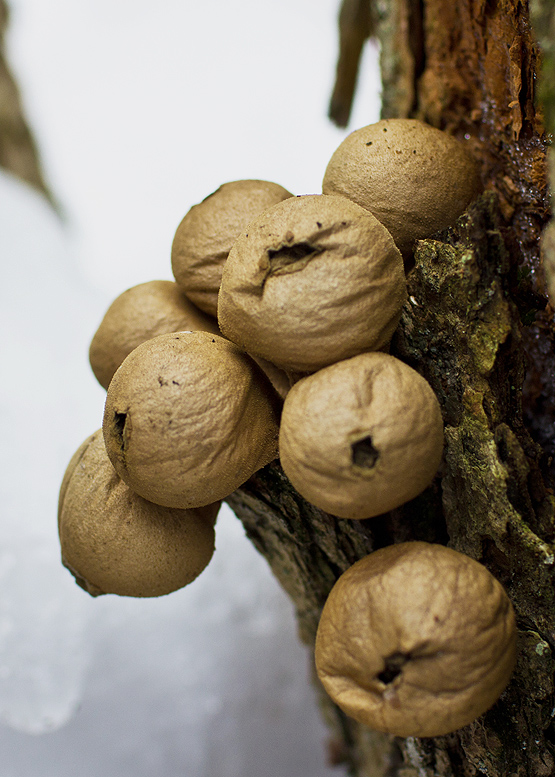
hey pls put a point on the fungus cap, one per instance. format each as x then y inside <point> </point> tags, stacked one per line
<point>312,280</point>
<point>416,639</point>
<point>416,179</point>
<point>189,418</point>
<point>205,235</point>
<point>141,313</point>
<point>362,436</point>
<point>114,541</point>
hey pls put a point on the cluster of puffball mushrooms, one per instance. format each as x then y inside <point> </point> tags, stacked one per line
<point>273,342</point>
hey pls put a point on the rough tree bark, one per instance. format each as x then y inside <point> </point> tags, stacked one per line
<point>478,325</point>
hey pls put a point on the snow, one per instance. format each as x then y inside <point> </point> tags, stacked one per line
<point>140,111</point>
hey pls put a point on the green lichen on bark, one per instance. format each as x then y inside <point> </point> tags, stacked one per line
<point>495,505</point>
<point>463,331</point>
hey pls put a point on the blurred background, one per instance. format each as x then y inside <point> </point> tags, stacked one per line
<point>140,111</point>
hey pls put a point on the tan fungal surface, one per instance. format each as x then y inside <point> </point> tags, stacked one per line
<point>280,380</point>
<point>141,313</point>
<point>362,436</point>
<point>414,178</point>
<point>204,237</point>
<point>416,639</point>
<point>312,280</point>
<point>188,418</point>
<point>114,541</point>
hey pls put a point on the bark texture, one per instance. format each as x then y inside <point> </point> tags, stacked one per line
<point>479,327</point>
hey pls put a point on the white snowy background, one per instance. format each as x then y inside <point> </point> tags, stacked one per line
<point>141,109</point>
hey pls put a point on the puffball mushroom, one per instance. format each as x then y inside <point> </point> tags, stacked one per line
<point>188,419</point>
<point>312,280</point>
<point>205,235</point>
<point>362,436</point>
<point>141,313</point>
<point>416,639</point>
<point>114,541</point>
<point>416,179</point>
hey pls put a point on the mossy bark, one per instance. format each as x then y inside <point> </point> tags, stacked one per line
<point>478,325</point>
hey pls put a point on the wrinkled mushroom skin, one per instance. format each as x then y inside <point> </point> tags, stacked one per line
<point>416,639</point>
<point>416,179</point>
<point>114,541</point>
<point>189,418</point>
<point>313,280</point>
<point>141,313</point>
<point>362,436</point>
<point>205,235</point>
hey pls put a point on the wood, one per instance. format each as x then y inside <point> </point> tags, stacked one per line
<point>18,151</point>
<point>478,325</point>
<point>356,24</point>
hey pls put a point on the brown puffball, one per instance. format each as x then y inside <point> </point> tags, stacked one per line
<point>361,436</point>
<point>313,280</point>
<point>114,541</point>
<point>416,640</point>
<point>141,313</point>
<point>189,418</point>
<point>205,235</point>
<point>280,380</point>
<point>416,179</point>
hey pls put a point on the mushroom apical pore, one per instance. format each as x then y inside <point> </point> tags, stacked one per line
<point>138,314</point>
<point>312,280</point>
<point>416,639</point>
<point>114,541</point>
<point>362,436</point>
<point>189,418</point>
<point>205,235</point>
<point>416,179</point>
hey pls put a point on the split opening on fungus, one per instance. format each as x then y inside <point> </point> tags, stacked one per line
<point>298,254</point>
<point>119,428</point>
<point>393,667</point>
<point>363,453</point>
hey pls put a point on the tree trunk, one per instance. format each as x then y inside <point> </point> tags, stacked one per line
<point>479,327</point>
<point>18,151</point>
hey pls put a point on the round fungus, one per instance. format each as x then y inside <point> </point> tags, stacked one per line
<point>114,541</point>
<point>362,436</point>
<point>313,280</point>
<point>189,418</point>
<point>416,639</point>
<point>205,235</point>
<point>416,179</point>
<point>141,313</point>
